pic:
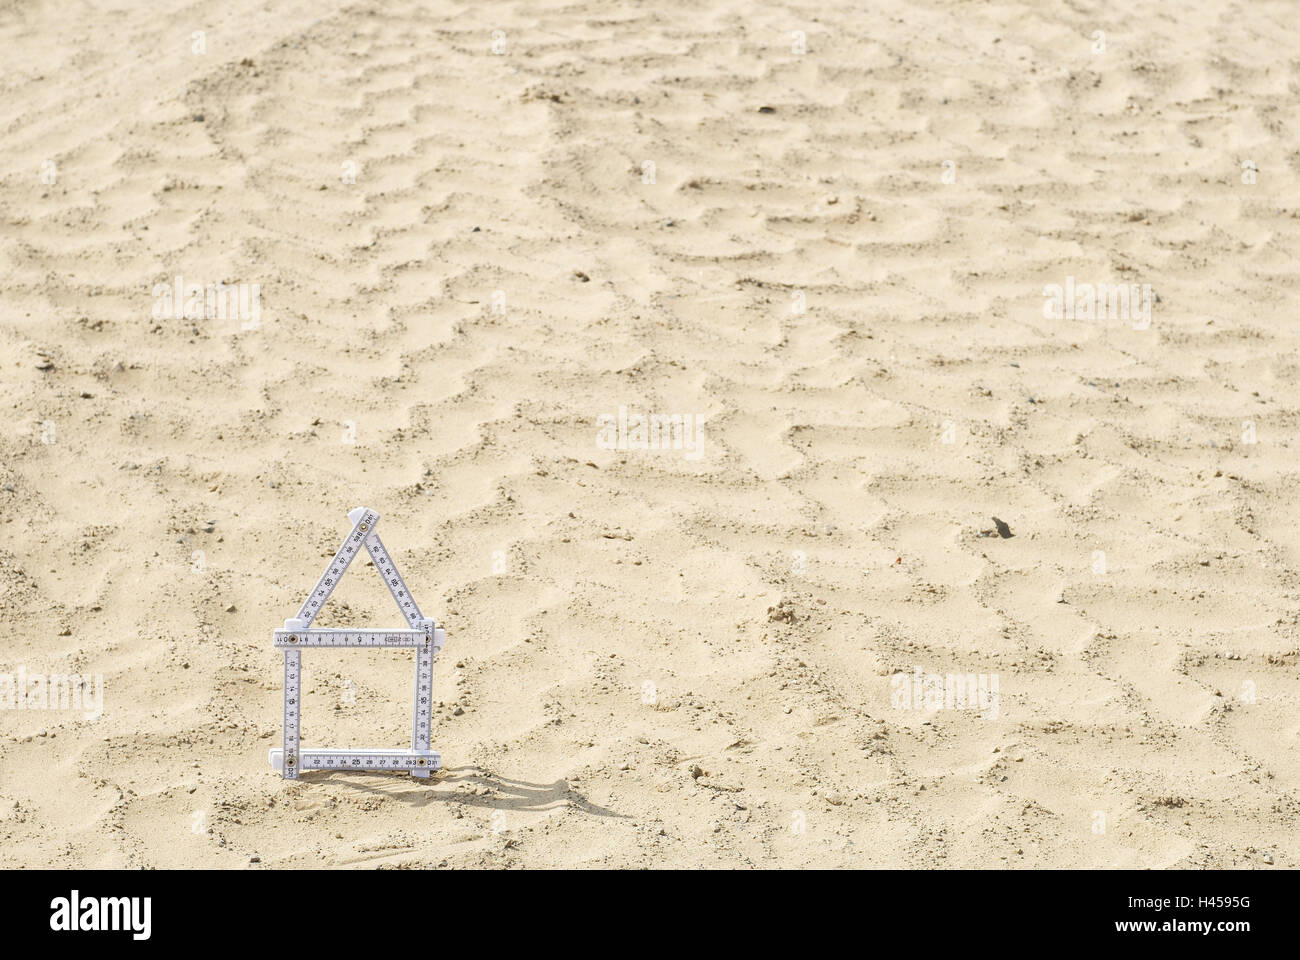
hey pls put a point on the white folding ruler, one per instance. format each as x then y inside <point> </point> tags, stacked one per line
<point>424,635</point>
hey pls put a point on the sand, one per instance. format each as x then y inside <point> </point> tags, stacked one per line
<point>826,237</point>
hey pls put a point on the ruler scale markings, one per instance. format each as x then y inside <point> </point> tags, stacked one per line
<point>422,715</point>
<point>393,580</point>
<point>420,732</point>
<point>339,565</point>
<point>292,698</point>
<point>413,761</point>
<point>334,637</point>
<point>424,636</point>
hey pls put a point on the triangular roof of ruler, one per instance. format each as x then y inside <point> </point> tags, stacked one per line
<point>340,563</point>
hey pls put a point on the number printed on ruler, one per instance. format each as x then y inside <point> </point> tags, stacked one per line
<point>424,636</point>
<point>392,579</point>
<point>292,697</point>
<point>338,566</point>
<point>338,760</point>
<point>423,698</point>
<point>335,637</point>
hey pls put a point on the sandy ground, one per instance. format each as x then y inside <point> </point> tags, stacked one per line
<point>833,248</point>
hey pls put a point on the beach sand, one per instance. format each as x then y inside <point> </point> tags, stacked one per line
<point>823,230</point>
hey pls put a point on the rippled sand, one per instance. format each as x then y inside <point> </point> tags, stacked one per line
<point>833,249</point>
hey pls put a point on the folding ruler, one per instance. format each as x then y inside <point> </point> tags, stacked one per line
<point>424,636</point>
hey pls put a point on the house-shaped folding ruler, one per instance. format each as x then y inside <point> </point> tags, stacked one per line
<point>424,636</point>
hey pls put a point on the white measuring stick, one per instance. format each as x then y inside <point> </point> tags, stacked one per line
<point>292,708</point>
<point>424,636</point>
<point>345,637</point>
<point>422,713</point>
<point>422,719</point>
<point>363,521</point>
<point>403,761</point>
<point>393,580</point>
